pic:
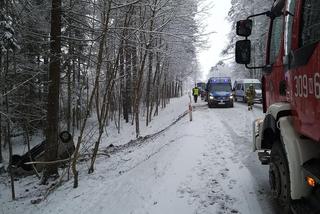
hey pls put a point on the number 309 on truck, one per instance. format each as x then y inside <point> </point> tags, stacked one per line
<point>288,137</point>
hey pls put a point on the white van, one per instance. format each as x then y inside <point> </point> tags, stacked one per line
<point>241,86</point>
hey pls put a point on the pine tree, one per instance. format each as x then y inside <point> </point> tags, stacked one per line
<point>51,146</point>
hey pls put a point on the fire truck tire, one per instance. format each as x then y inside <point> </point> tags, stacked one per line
<point>279,177</point>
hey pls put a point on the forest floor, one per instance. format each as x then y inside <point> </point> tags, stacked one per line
<point>204,166</point>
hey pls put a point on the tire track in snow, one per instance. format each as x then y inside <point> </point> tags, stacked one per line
<point>213,195</point>
<point>249,159</point>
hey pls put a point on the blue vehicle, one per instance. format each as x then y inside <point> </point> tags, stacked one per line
<point>219,92</point>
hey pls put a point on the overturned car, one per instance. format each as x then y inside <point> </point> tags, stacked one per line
<point>19,163</point>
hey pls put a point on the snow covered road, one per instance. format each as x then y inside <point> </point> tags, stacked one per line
<point>207,167</point>
<point>204,166</point>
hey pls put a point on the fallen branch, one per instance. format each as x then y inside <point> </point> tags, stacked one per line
<point>48,162</point>
<point>63,160</point>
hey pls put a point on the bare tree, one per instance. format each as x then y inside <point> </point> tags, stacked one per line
<point>101,59</point>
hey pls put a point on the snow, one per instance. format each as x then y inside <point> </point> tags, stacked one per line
<point>166,116</point>
<point>203,166</point>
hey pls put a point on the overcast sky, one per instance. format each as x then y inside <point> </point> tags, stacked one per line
<point>215,21</point>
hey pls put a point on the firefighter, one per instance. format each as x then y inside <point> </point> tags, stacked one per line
<point>195,93</point>
<point>250,94</point>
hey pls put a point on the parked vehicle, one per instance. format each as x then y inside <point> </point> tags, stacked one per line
<point>219,92</point>
<point>288,137</point>
<point>202,87</point>
<point>242,85</point>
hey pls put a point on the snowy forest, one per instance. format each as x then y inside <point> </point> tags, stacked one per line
<point>73,60</point>
<point>241,9</point>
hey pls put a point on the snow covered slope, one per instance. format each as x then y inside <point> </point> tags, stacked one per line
<point>204,166</point>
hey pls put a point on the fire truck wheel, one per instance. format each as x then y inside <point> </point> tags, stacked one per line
<point>279,177</point>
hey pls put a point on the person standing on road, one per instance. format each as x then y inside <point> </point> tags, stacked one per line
<point>250,94</point>
<point>195,93</point>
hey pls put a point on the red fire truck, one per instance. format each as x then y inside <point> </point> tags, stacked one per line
<point>288,137</point>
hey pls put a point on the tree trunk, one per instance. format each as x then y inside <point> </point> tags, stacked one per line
<point>104,111</point>
<point>122,86</point>
<point>1,158</point>
<point>158,95</point>
<point>138,92</point>
<point>105,20</point>
<point>51,146</point>
<point>69,92</point>
<point>150,59</point>
<point>126,96</point>
<point>69,101</point>
<point>8,127</point>
<point>79,100</point>
<point>128,90</point>
<point>134,65</point>
<point>155,87</point>
<point>74,97</point>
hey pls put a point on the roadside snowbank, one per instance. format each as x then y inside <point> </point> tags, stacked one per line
<point>27,189</point>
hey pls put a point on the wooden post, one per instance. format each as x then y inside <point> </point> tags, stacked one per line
<point>190,111</point>
<point>190,107</point>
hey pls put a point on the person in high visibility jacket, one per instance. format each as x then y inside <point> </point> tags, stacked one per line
<point>195,93</point>
<point>250,94</point>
